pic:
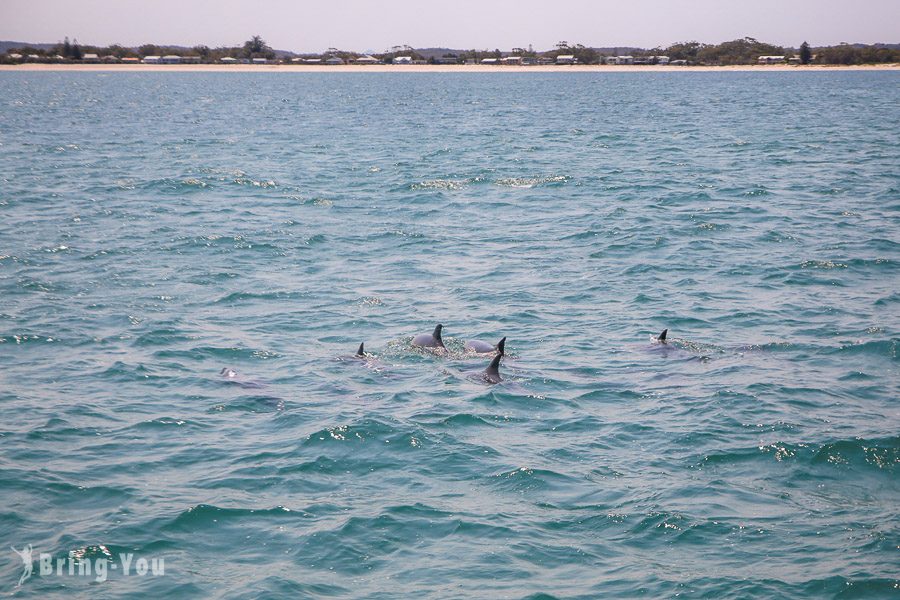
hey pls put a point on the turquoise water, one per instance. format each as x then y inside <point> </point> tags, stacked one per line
<point>157,228</point>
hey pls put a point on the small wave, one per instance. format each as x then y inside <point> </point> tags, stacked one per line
<point>232,354</point>
<point>367,431</point>
<point>530,182</point>
<point>255,297</point>
<point>440,184</point>
<point>206,515</point>
<point>20,339</point>
<point>166,423</point>
<point>857,453</point>
<point>530,479</point>
<point>823,264</point>
<point>884,348</point>
<point>466,420</point>
<point>252,404</point>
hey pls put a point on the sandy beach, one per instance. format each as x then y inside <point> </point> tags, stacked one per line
<point>217,68</point>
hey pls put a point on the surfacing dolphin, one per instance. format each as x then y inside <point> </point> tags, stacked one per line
<point>661,338</point>
<point>231,376</point>
<point>486,348</point>
<point>361,355</point>
<point>492,373</point>
<point>430,340</point>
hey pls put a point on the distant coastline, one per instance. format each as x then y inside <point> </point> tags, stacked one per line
<point>243,68</point>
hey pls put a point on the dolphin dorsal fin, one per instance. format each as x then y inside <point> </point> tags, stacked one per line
<point>437,333</point>
<point>662,336</point>
<point>361,351</point>
<point>493,369</point>
<point>501,346</point>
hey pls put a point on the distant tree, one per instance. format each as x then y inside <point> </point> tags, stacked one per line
<point>256,47</point>
<point>67,48</point>
<point>148,50</point>
<point>76,51</point>
<point>586,56</point>
<point>116,50</point>
<point>685,51</point>
<point>805,53</point>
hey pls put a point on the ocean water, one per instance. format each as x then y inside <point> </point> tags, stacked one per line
<point>156,228</point>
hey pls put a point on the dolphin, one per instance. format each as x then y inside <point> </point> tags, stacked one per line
<point>231,376</point>
<point>492,373</point>
<point>361,353</point>
<point>661,338</point>
<point>484,347</point>
<point>430,340</point>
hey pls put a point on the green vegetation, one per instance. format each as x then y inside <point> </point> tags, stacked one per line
<point>805,53</point>
<point>743,51</point>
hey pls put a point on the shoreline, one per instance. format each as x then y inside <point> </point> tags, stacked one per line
<point>219,68</point>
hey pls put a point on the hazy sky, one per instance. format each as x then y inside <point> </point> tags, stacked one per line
<point>373,26</point>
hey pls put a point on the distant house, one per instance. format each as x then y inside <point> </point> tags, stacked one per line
<point>620,60</point>
<point>402,60</point>
<point>33,58</point>
<point>228,60</point>
<point>109,58</point>
<point>131,60</point>
<point>15,56</point>
<point>511,60</point>
<point>447,60</point>
<point>662,60</point>
<point>334,60</point>
<point>490,61</point>
<point>367,60</point>
<point>260,61</point>
<point>152,60</point>
<point>90,58</point>
<point>565,59</point>
<point>678,63</point>
<point>546,60</point>
<point>170,59</point>
<point>312,61</point>
<point>770,60</point>
<point>191,59</point>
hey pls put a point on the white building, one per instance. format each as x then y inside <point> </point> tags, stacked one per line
<point>565,59</point>
<point>620,60</point>
<point>260,61</point>
<point>402,60</point>
<point>170,59</point>
<point>152,60</point>
<point>367,60</point>
<point>228,60</point>
<point>90,58</point>
<point>334,60</point>
<point>770,60</point>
